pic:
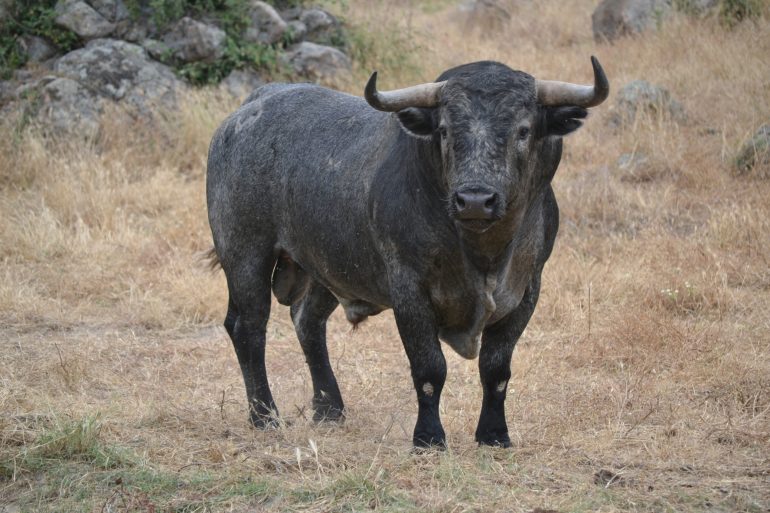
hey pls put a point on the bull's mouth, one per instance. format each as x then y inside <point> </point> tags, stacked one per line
<point>476,225</point>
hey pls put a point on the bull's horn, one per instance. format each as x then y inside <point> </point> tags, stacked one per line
<point>550,92</point>
<point>423,95</point>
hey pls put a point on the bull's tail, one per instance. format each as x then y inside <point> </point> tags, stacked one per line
<point>212,259</point>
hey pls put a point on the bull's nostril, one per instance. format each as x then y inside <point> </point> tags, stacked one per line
<point>491,201</point>
<point>460,201</point>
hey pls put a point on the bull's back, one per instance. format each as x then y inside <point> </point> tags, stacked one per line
<point>292,168</point>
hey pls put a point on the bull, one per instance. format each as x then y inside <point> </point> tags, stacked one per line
<point>434,200</point>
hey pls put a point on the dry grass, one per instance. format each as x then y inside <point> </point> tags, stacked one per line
<point>641,383</point>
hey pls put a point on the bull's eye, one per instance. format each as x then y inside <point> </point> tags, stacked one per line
<point>523,133</point>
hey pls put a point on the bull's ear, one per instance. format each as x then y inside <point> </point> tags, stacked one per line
<point>564,119</point>
<point>417,121</point>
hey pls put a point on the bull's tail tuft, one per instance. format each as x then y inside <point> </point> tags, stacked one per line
<point>212,259</point>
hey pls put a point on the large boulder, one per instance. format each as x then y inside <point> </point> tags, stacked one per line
<point>484,14</point>
<point>240,83</point>
<point>118,71</point>
<point>641,97</point>
<point>266,27</point>
<point>754,155</point>
<point>317,62</point>
<point>321,27</point>
<point>295,32</point>
<point>617,18</point>
<point>111,10</point>
<point>191,40</point>
<point>82,19</point>
<point>36,48</point>
<point>68,107</point>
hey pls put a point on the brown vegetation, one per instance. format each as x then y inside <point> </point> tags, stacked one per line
<point>641,384</point>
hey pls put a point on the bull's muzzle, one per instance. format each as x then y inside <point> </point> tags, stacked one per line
<point>476,208</point>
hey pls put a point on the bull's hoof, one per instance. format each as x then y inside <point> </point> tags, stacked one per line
<point>494,440</point>
<point>423,441</point>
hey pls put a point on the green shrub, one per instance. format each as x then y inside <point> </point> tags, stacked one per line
<point>237,56</point>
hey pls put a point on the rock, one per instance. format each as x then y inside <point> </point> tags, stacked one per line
<point>321,26</point>
<point>132,31</point>
<point>754,155</point>
<point>7,92</point>
<point>292,13</point>
<point>240,83</point>
<point>5,10</point>
<point>192,40</point>
<point>484,13</point>
<point>158,50</point>
<point>639,167</point>
<point>82,19</point>
<point>69,107</point>
<point>317,62</point>
<point>28,88</point>
<point>267,27</point>
<point>111,10</point>
<point>296,31</point>
<point>641,96</point>
<point>36,48</point>
<point>121,72</point>
<point>616,18</point>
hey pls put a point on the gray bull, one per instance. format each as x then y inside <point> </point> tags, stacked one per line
<point>434,200</point>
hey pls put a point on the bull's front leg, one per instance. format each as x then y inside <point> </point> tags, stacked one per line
<point>497,345</point>
<point>419,333</point>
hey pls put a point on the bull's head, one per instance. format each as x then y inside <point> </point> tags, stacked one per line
<point>498,132</point>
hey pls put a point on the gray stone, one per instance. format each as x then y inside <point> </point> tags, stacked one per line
<point>240,83</point>
<point>292,13</point>
<point>28,88</point>
<point>641,96</point>
<point>37,49</point>
<point>267,26</point>
<point>69,107</point>
<point>484,14</point>
<point>111,10</point>
<point>321,25</point>
<point>754,155</point>
<point>158,50</point>
<point>82,19</point>
<point>5,10</point>
<point>317,62</point>
<point>617,18</point>
<point>192,40</point>
<point>122,72</point>
<point>7,92</point>
<point>639,167</point>
<point>131,30</point>
<point>296,31</point>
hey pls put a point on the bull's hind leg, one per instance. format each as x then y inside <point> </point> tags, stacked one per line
<point>246,322</point>
<point>309,315</point>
